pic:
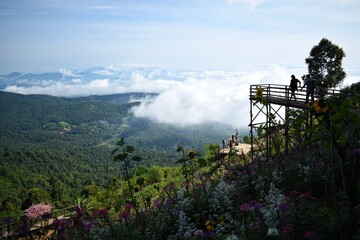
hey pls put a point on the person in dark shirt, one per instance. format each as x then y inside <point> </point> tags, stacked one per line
<point>310,88</point>
<point>294,82</point>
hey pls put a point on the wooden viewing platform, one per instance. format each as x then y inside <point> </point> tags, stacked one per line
<point>280,95</point>
<point>270,105</point>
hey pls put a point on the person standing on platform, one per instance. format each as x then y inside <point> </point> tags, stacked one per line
<point>310,88</point>
<point>294,82</point>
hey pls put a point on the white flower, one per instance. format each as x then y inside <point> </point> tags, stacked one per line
<point>232,237</point>
<point>272,232</point>
<point>271,202</point>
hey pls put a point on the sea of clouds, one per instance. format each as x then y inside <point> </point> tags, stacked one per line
<point>184,97</point>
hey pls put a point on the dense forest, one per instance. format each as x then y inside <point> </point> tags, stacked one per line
<point>51,148</point>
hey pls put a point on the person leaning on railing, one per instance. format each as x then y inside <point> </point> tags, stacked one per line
<point>310,88</point>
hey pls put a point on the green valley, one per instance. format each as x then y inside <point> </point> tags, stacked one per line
<point>51,148</point>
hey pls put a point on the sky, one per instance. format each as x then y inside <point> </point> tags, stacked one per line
<point>197,34</point>
<point>201,56</point>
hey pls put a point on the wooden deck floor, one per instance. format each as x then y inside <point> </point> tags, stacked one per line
<point>240,148</point>
<point>285,102</point>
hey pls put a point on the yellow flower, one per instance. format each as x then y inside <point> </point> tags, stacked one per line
<point>208,225</point>
<point>210,228</point>
<point>259,92</point>
<point>320,107</point>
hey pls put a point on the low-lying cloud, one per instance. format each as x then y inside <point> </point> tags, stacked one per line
<point>185,97</point>
<point>211,96</point>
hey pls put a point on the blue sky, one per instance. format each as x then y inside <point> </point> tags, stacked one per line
<point>194,34</point>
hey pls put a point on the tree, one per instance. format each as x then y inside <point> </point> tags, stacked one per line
<point>325,64</point>
<point>35,195</point>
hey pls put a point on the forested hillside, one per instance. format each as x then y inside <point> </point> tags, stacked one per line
<point>51,148</point>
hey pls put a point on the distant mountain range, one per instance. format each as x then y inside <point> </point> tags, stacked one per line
<point>121,74</point>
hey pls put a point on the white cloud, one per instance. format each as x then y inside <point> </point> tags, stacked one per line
<point>212,96</point>
<point>185,97</point>
<point>74,88</point>
<point>104,72</point>
<point>68,73</point>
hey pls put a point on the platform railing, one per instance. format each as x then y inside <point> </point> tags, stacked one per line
<point>282,93</point>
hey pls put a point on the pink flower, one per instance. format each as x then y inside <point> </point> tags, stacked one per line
<point>294,193</point>
<point>129,206</point>
<point>102,212</point>
<point>306,195</point>
<point>287,229</point>
<point>88,226</point>
<point>245,207</point>
<point>38,210</point>
<point>61,224</point>
<point>198,185</point>
<point>309,234</point>
<point>126,214</point>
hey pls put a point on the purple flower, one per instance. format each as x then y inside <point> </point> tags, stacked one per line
<point>169,200</point>
<point>157,203</point>
<point>306,195</point>
<point>294,193</point>
<point>102,212</point>
<point>283,206</point>
<point>309,234</point>
<point>129,206</point>
<point>62,223</point>
<point>46,216</point>
<point>61,235</point>
<point>170,187</point>
<point>8,220</point>
<point>126,212</point>
<point>287,229</point>
<point>198,185</point>
<point>125,215</point>
<point>255,205</point>
<point>208,234</point>
<point>24,228</point>
<point>200,175</point>
<point>245,207</point>
<point>175,213</point>
<point>88,226</point>
<point>356,151</point>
